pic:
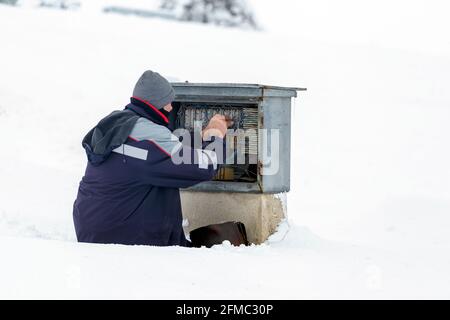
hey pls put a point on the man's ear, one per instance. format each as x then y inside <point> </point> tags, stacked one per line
<point>168,107</point>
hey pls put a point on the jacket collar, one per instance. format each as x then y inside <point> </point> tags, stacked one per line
<point>147,110</point>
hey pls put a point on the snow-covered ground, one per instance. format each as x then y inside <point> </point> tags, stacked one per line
<point>370,201</point>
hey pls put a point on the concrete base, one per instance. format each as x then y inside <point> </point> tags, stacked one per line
<point>261,213</point>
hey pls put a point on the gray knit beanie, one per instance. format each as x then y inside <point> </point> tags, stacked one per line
<point>154,88</point>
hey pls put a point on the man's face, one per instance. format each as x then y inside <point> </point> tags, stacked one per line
<point>168,107</point>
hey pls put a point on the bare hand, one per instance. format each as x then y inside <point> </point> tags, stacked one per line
<point>217,126</point>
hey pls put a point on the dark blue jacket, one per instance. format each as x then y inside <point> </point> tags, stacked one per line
<point>130,191</point>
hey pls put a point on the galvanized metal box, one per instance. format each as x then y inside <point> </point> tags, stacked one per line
<point>267,108</point>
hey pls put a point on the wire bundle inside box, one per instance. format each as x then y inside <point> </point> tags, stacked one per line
<point>244,136</point>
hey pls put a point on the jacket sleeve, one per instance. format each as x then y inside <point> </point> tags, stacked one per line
<point>185,168</point>
<point>169,163</point>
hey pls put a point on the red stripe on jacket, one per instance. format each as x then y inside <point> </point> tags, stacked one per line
<point>154,108</point>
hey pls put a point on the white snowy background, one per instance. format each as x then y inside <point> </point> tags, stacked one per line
<point>368,211</point>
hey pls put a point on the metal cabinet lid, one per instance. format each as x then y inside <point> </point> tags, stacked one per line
<point>233,90</point>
